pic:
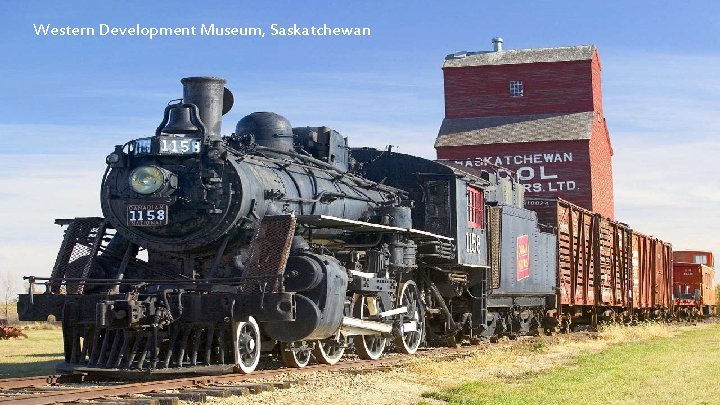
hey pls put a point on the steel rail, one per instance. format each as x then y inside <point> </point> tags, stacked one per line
<point>189,382</point>
<point>24,382</point>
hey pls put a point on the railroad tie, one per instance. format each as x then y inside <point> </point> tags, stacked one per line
<point>233,389</point>
<point>167,399</point>
<point>190,396</point>
<point>213,392</point>
<point>256,388</point>
<point>283,385</point>
<point>125,401</point>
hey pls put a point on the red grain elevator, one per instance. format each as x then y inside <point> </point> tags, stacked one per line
<point>536,114</point>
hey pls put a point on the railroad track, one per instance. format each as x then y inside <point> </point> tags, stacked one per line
<point>39,390</point>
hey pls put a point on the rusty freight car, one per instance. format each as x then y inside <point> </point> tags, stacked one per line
<point>693,284</point>
<point>605,270</point>
<point>594,262</point>
<point>652,272</point>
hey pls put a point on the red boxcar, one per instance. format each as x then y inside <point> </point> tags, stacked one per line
<point>693,283</point>
<point>652,275</point>
<point>605,269</point>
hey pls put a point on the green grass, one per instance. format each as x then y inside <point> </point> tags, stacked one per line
<point>36,355</point>
<point>677,370</point>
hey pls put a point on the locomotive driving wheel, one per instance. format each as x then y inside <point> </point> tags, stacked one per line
<point>330,350</point>
<point>368,347</point>
<point>295,354</point>
<point>412,329</point>
<point>246,345</point>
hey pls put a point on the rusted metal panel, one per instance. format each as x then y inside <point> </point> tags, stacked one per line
<point>614,262</point>
<point>269,252</point>
<point>651,272</point>
<point>709,297</point>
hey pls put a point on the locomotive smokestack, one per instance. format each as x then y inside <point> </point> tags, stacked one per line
<point>207,94</point>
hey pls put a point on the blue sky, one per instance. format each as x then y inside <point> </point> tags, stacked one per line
<point>68,100</point>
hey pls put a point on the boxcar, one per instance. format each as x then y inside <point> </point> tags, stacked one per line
<point>651,276</point>
<point>605,270</point>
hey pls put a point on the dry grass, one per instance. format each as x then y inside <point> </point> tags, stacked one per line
<point>11,310</point>
<point>35,355</point>
<point>505,362</point>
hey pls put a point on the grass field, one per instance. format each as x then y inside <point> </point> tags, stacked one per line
<point>36,355</point>
<point>652,363</point>
<point>664,370</point>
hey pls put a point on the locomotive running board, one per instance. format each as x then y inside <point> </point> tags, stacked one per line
<point>327,221</point>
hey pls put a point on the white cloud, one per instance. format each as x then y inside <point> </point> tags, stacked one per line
<point>662,114</point>
<point>37,189</point>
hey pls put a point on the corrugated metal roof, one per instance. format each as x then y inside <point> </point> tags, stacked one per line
<point>517,56</point>
<point>515,128</point>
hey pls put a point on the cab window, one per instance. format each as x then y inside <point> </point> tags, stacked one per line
<point>475,207</point>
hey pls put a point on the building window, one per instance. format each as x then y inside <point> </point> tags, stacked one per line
<point>516,88</point>
<point>475,207</point>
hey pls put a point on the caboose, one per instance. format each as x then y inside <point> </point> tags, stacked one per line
<point>693,284</point>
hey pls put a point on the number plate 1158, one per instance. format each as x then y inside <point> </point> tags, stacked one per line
<point>147,214</point>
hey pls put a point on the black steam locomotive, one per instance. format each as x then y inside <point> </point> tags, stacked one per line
<point>212,250</point>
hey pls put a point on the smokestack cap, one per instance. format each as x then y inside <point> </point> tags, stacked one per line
<point>497,44</point>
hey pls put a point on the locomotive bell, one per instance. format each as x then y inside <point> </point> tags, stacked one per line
<point>179,121</point>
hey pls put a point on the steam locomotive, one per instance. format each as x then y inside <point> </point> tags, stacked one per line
<point>214,249</point>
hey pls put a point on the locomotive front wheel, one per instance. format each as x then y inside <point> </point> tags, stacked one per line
<point>368,347</point>
<point>329,351</point>
<point>412,330</point>
<point>247,345</point>
<point>295,354</point>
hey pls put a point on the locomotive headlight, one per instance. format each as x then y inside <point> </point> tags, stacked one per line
<point>149,179</point>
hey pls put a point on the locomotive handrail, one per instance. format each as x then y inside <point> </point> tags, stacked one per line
<point>114,282</point>
<point>145,280</point>
<point>360,226</point>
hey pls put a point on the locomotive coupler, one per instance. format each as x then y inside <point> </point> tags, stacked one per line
<point>122,313</point>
